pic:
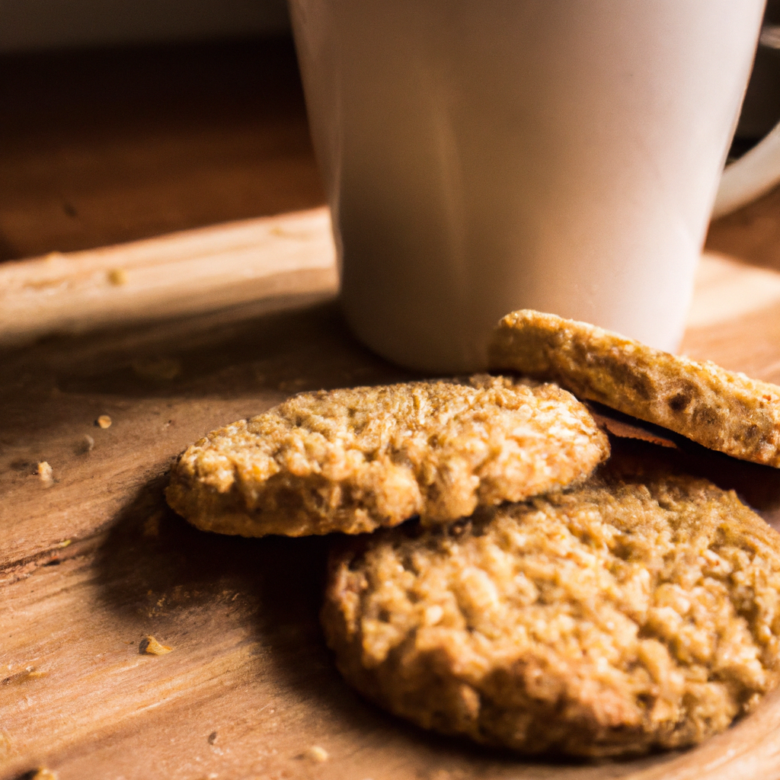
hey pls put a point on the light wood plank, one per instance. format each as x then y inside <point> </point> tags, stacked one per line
<point>178,275</point>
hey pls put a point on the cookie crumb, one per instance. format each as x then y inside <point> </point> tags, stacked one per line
<point>212,737</point>
<point>44,774</point>
<point>317,754</point>
<point>104,421</point>
<point>45,474</point>
<point>87,444</point>
<point>150,646</point>
<point>30,673</point>
<point>117,277</point>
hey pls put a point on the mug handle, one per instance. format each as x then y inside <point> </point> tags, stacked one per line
<point>757,171</point>
<point>753,175</point>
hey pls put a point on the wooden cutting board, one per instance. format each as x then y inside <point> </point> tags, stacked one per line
<point>170,338</point>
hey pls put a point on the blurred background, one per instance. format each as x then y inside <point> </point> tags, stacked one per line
<point>123,119</point>
<point>27,25</point>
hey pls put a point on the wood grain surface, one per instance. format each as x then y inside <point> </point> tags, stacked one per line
<point>104,146</point>
<point>94,562</point>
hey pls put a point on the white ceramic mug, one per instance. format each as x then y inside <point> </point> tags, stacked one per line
<point>482,156</point>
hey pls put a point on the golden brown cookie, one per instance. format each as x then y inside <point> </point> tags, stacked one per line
<point>610,619</point>
<point>719,409</point>
<point>354,460</point>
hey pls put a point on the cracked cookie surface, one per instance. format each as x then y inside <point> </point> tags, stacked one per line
<point>357,459</point>
<point>635,612</point>
<point>719,409</point>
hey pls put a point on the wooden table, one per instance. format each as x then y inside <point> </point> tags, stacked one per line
<point>170,337</point>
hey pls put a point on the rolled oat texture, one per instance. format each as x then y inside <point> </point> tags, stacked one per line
<point>722,410</point>
<point>629,614</point>
<point>358,459</point>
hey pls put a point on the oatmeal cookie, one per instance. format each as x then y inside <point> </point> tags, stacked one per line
<point>354,460</point>
<point>719,409</point>
<point>632,613</point>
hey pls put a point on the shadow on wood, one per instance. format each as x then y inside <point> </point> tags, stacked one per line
<point>162,576</point>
